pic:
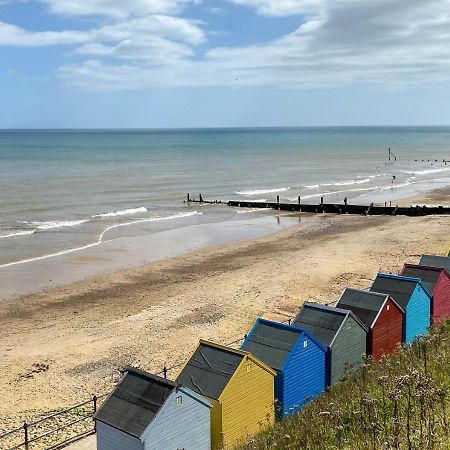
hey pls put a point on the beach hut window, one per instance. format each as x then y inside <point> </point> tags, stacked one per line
<point>179,400</point>
<point>249,368</point>
<point>305,343</point>
<point>388,307</point>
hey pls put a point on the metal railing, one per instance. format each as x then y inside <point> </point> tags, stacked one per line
<point>55,430</point>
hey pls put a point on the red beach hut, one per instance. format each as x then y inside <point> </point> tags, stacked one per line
<point>382,316</point>
<point>437,281</point>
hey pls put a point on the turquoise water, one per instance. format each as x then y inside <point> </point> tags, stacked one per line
<point>67,189</point>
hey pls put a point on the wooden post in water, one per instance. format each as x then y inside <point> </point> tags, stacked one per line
<point>299,200</point>
<point>278,199</point>
<point>200,198</point>
<point>345,203</point>
<point>390,153</point>
<point>188,198</point>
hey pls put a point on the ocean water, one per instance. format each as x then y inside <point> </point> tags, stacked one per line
<point>69,190</point>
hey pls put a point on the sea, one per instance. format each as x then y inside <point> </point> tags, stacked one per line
<point>65,191</point>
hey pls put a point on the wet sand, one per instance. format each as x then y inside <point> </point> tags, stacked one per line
<point>123,253</point>
<point>62,345</point>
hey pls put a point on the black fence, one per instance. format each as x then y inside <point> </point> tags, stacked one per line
<point>56,430</point>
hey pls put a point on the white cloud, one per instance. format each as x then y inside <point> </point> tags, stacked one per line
<point>154,40</point>
<point>283,7</point>
<point>115,8</point>
<point>216,10</point>
<point>339,42</point>
<point>150,50</point>
<point>11,35</point>
<point>174,28</point>
<point>387,42</point>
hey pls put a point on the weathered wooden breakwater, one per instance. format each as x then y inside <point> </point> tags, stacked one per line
<point>334,208</point>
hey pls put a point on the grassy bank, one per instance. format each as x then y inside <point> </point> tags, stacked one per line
<point>401,402</point>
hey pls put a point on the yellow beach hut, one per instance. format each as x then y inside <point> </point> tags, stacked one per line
<point>239,386</point>
<point>447,253</point>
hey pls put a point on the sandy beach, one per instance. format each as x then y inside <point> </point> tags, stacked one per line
<point>63,345</point>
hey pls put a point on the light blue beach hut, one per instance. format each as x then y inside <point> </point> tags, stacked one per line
<point>146,412</point>
<point>411,295</point>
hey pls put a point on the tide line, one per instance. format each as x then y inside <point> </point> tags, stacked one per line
<point>100,238</point>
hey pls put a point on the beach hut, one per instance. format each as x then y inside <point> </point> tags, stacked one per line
<point>341,332</point>
<point>238,385</point>
<point>298,359</point>
<point>435,261</point>
<point>146,412</point>
<point>437,282</point>
<point>412,297</point>
<point>382,316</point>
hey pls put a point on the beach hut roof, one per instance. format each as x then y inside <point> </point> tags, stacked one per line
<point>428,275</point>
<point>323,321</point>
<point>272,342</point>
<point>365,304</point>
<point>400,288</point>
<point>435,261</point>
<point>211,367</point>
<point>135,401</point>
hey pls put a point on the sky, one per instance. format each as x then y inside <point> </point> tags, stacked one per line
<point>223,63</point>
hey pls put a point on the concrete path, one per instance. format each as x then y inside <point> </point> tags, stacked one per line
<point>88,443</point>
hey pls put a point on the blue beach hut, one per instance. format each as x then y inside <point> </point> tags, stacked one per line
<point>297,357</point>
<point>410,294</point>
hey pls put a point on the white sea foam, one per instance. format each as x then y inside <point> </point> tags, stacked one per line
<point>317,186</point>
<point>101,237</point>
<point>18,233</point>
<point>352,182</point>
<point>396,186</point>
<point>55,224</point>
<point>123,212</point>
<point>342,183</point>
<point>262,191</point>
<point>427,172</point>
<point>323,194</point>
<point>251,210</point>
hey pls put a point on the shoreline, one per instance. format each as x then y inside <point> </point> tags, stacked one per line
<point>43,273</point>
<point>153,315</point>
<point>48,272</point>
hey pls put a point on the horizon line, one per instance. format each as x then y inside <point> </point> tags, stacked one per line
<point>214,128</point>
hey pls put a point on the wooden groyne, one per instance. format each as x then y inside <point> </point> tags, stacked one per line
<point>335,208</point>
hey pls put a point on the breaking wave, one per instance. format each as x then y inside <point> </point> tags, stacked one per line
<point>123,212</point>
<point>18,233</point>
<point>262,191</point>
<point>55,224</point>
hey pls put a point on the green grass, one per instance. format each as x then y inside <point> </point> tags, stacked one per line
<point>400,402</point>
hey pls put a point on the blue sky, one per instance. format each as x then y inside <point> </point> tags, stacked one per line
<point>205,63</point>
